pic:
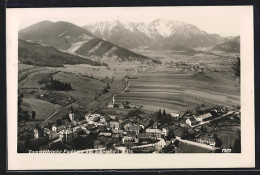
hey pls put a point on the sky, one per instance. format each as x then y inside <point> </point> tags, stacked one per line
<point>221,20</point>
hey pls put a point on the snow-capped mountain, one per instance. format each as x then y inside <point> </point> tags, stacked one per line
<point>158,34</point>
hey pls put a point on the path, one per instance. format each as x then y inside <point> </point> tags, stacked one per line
<point>56,111</point>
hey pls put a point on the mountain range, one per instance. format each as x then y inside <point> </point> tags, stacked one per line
<point>73,39</point>
<point>158,34</point>
<point>117,40</point>
<point>231,45</point>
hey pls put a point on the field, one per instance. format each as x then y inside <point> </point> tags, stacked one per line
<point>42,108</point>
<point>88,89</point>
<point>179,91</point>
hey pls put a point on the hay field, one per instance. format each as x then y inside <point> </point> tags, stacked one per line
<point>179,91</point>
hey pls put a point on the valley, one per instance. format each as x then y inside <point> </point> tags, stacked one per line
<point>73,80</point>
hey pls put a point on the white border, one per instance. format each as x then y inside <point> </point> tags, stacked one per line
<point>135,161</point>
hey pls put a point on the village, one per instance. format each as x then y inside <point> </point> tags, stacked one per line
<point>95,133</point>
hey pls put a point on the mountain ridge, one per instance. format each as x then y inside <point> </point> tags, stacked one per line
<point>158,34</point>
<point>73,39</point>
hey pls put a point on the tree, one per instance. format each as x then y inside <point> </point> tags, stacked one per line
<point>236,67</point>
<point>171,135</point>
<point>218,142</point>
<point>33,115</point>
<point>164,113</point>
<point>160,113</point>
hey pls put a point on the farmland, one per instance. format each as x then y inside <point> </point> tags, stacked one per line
<point>179,91</point>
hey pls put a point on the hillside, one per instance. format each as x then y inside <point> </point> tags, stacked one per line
<point>61,35</point>
<point>98,47</point>
<point>158,34</point>
<point>36,54</point>
<point>229,47</point>
<point>73,39</point>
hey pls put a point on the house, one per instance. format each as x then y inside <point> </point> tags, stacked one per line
<point>110,105</point>
<point>114,124</point>
<point>46,131</point>
<point>129,140</point>
<point>165,131</point>
<point>191,121</point>
<point>67,135</point>
<point>36,133</point>
<point>153,133</point>
<point>54,128</point>
<point>93,117</point>
<point>112,117</point>
<point>175,115</point>
<point>203,117</point>
<point>132,127</point>
<point>102,119</point>
<point>107,134</point>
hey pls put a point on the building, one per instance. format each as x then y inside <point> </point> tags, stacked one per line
<point>46,131</point>
<point>191,121</point>
<point>36,134</point>
<point>71,116</point>
<point>54,128</point>
<point>154,133</point>
<point>132,127</point>
<point>67,135</point>
<point>110,105</point>
<point>102,119</point>
<point>175,115</point>
<point>129,140</point>
<point>165,131</point>
<point>203,117</point>
<point>114,124</point>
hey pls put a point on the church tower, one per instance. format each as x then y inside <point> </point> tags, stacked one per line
<point>71,114</point>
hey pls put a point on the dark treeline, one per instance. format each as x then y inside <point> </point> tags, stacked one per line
<point>54,84</point>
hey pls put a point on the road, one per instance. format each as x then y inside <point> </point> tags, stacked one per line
<point>127,86</point>
<point>225,115</point>
<point>197,144</point>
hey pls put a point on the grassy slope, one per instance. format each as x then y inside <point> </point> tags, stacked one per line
<point>43,108</point>
<point>39,55</point>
